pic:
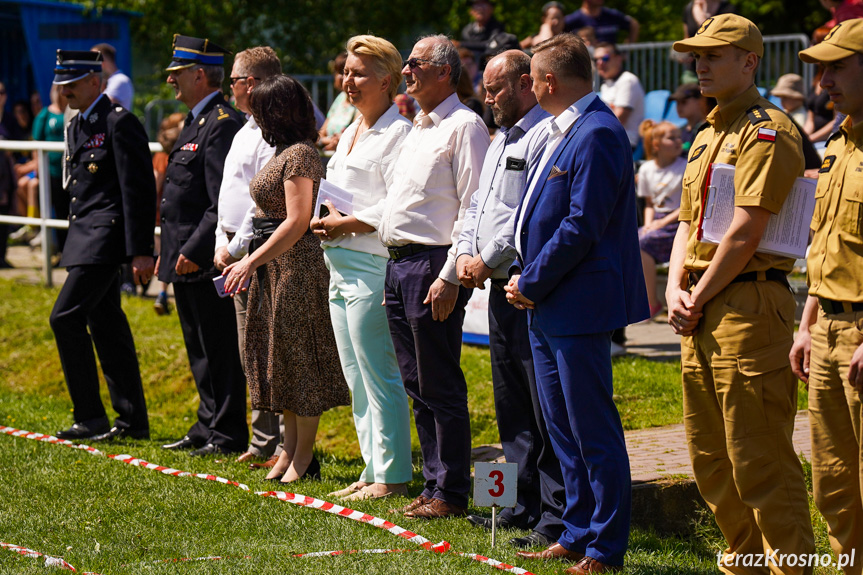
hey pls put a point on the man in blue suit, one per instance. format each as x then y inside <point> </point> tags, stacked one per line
<point>581,278</point>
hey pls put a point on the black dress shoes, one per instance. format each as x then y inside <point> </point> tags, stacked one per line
<point>485,522</point>
<point>210,449</point>
<point>83,430</point>
<point>121,432</point>
<point>185,443</point>
<point>534,539</point>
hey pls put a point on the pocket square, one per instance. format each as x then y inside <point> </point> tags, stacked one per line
<point>555,172</point>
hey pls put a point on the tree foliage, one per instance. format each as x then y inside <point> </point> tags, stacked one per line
<point>308,33</point>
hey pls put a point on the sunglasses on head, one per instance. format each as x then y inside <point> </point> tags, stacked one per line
<point>414,63</point>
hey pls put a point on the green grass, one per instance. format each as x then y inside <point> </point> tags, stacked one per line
<point>112,518</point>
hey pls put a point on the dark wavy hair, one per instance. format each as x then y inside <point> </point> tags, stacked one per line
<point>283,110</point>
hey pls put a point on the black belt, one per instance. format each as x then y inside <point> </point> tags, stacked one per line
<point>399,252</point>
<point>773,275</point>
<point>833,307</point>
<point>263,228</point>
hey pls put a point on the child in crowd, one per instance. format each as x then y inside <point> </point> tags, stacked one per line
<point>659,183</point>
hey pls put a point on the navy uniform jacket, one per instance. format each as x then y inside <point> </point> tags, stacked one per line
<point>579,238</point>
<point>112,191</point>
<point>190,200</point>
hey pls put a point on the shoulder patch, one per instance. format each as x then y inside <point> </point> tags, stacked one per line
<point>827,164</point>
<point>222,114</point>
<point>696,153</point>
<point>834,136</point>
<point>757,114</point>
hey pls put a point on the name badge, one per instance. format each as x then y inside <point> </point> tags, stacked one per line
<point>516,164</point>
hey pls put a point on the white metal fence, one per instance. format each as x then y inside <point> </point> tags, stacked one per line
<point>45,224</point>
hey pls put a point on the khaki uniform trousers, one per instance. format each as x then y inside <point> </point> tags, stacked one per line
<point>739,403</point>
<point>835,418</point>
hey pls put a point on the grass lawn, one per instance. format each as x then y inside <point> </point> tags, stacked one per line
<point>110,518</point>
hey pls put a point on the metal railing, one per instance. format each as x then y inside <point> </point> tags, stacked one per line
<point>659,68</point>
<point>45,224</point>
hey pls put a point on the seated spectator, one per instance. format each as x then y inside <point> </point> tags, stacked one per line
<point>9,129</point>
<point>469,66</point>
<point>607,23</point>
<point>24,118</point>
<point>407,106</point>
<point>692,107</point>
<point>789,90</point>
<point>660,181</point>
<point>819,111</point>
<point>697,11</point>
<point>588,36</point>
<point>341,112</point>
<point>35,103</point>
<point>620,89</point>
<point>551,24</point>
<point>483,27</point>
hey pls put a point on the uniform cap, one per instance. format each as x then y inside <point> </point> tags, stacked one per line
<point>845,39</point>
<point>72,65</point>
<point>189,51</point>
<point>723,30</point>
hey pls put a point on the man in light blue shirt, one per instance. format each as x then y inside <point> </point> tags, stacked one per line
<point>486,249</point>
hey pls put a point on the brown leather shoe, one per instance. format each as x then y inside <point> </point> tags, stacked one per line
<point>591,565</point>
<point>246,457</point>
<point>266,464</point>
<point>553,551</point>
<point>418,502</point>
<point>436,509</point>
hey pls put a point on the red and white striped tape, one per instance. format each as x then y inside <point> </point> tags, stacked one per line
<point>295,498</point>
<point>49,560</point>
<point>352,552</point>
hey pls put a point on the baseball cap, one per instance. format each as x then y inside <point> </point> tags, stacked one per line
<point>723,30</point>
<point>845,39</point>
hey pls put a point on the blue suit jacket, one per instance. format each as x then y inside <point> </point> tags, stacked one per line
<point>581,263</point>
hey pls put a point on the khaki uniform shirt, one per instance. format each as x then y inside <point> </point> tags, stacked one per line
<point>765,146</point>
<point>836,254</point>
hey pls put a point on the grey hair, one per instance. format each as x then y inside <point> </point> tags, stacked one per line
<point>445,53</point>
<point>215,75</point>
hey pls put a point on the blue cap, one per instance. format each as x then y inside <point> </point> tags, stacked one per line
<point>73,65</point>
<point>190,52</point>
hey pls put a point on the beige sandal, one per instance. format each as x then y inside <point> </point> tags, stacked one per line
<point>352,488</point>
<point>395,490</point>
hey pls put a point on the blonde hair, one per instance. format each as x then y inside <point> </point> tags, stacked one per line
<point>650,132</point>
<point>386,58</point>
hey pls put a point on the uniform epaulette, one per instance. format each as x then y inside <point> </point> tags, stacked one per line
<point>757,114</point>
<point>833,136</point>
<point>222,114</point>
<point>699,128</point>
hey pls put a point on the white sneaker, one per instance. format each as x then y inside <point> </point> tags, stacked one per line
<point>617,350</point>
<point>23,234</point>
<point>36,241</point>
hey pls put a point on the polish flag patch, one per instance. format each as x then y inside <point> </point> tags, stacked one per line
<point>767,134</point>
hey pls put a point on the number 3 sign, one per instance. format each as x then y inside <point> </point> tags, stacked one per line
<point>494,484</point>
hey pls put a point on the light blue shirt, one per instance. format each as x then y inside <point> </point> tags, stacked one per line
<point>512,158</point>
<point>200,105</point>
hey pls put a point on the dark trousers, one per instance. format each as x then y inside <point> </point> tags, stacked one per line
<point>541,496</point>
<point>90,299</point>
<point>575,388</point>
<point>210,332</point>
<point>428,354</point>
<point>60,203</point>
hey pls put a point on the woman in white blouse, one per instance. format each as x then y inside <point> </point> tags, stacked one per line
<point>363,164</point>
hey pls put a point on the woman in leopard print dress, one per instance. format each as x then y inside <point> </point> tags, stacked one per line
<point>292,362</point>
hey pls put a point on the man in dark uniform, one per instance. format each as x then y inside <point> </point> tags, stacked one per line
<point>188,219</point>
<point>112,195</point>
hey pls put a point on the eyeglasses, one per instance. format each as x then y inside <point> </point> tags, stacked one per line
<point>238,78</point>
<point>603,59</point>
<point>414,63</point>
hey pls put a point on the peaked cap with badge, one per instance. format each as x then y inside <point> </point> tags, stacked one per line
<point>189,51</point>
<point>723,30</point>
<point>72,65</point>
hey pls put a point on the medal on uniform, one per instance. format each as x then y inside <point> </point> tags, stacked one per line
<point>201,122</point>
<point>92,168</point>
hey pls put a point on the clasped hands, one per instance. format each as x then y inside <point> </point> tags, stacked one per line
<point>683,313</point>
<point>514,295</point>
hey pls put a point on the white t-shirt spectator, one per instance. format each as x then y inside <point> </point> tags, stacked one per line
<point>119,89</point>
<point>626,92</point>
<point>662,185</point>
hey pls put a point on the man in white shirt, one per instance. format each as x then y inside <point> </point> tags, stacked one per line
<point>248,154</point>
<point>117,85</point>
<point>437,171</point>
<point>486,250</point>
<point>620,89</point>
